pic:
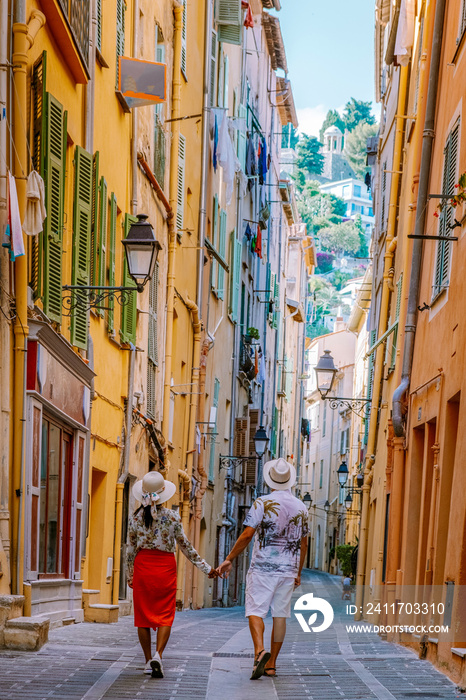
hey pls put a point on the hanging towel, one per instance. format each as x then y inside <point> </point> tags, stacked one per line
<point>261,376</point>
<point>226,157</point>
<point>258,244</point>
<point>215,156</point>
<point>249,19</point>
<point>256,362</point>
<point>405,33</point>
<point>262,160</point>
<point>248,232</point>
<point>17,242</point>
<point>250,162</point>
<point>35,205</point>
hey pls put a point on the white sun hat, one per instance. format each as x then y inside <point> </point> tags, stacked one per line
<point>279,474</point>
<point>153,488</point>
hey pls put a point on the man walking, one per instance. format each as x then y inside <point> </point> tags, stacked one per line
<point>280,523</point>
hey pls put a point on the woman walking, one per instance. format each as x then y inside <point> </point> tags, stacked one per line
<point>154,532</point>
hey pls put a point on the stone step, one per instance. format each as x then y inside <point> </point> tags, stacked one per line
<point>25,633</point>
<point>90,596</point>
<point>100,612</point>
<point>126,607</point>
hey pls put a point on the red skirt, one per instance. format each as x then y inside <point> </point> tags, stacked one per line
<point>154,588</point>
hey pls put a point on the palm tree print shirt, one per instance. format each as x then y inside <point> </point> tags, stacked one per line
<point>280,521</point>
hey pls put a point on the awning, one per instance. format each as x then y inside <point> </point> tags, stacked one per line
<point>274,39</point>
<point>285,103</point>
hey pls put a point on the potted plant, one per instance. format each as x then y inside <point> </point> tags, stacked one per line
<point>253,333</point>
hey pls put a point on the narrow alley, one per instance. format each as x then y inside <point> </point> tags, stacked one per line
<point>210,656</point>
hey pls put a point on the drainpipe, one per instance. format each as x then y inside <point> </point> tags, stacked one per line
<point>185,479</point>
<point>186,476</point>
<point>134,122</point>
<point>400,393</point>
<point>176,100</point>
<point>23,38</point>
<point>390,247</point>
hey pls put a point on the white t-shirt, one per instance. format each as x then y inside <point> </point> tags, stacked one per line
<point>280,520</point>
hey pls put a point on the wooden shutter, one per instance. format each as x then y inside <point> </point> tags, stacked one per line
<point>222,251</point>
<point>94,244</point>
<point>102,245</point>
<point>213,68</point>
<point>242,114</point>
<point>82,214</point>
<point>250,467</point>
<point>463,20</point>
<point>383,194</point>
<point>153,351</point>
<point>98,38</point>
<point>129,310</point>
<point>79,473</point>
<point>180,185</point>
<point>212,440</point>
<point>111,261</point>
<point>399,288</point>
<point>52,237</point>
<point>228,18</point>
<point>235,276</point>
<point>370,382</point>
<point>221,77</point>
<point>38,154</point>
<point>241,437</point>
<point>214,242</point>
<point>183,39</point>
<point>442,263</point>
<point>120,34</point>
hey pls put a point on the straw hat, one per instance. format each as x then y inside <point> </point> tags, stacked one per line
<point>153,488</point>
<point>279,474</point>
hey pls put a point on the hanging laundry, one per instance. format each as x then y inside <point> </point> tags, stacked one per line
<point>17,242</point>
<point>248,232</point>
<point>261,377</point>
<point>244,4</point>
<point>35,205</point>
<point>251,169</point>
<point>227,157</point>
<point>258,246</point>
<point>249,19</point>
<point>253,243</point>
<point>262,153</point>
<point>256,362</point>
<point>215,155</point>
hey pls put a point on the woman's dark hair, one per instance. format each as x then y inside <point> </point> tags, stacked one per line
<point>148,519</point>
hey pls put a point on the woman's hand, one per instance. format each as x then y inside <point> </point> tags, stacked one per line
<point>225,568</point>
<point>130,582</point>
<point>213,573</point>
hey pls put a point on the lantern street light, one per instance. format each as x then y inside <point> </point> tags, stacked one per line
<point>141,250</point>
<point>325,375</point>
<point>342,472</point>
<point>348,501</point>
<point>260,444</point>
<point>326,506</point>
<point>307,499</point>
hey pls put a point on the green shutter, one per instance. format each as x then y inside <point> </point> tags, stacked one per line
<point>442,263</point>
<point>212,444</point>
<point>221,76</point>
<point>213,67</point>
<point>129,310</point>
<point>180,185</point>
<point>235,276</point>
<point>225,81</point>
<point>214,242</point>
<point>276,300</point>
<point>82,216</point>
<point>183,39</point>
<point>55,154</point>
<point>370,381</point>
<point>99,26</point>
<point>120,34</point>
<point>38,157</point>
<point>102,236</point>
<point>94,270</point>
<point>228,18</point>
<point>111,261</point>
<point>222,251</point>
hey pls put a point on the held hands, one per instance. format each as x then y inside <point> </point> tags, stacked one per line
<point>213,573</point>
<point>224,569</point>
<point>297,581</point>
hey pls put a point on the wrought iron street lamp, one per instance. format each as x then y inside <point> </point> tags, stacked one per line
<point>325,373</point>
<point>342,472</point>
<point>348,501</point>
<point>307,499</point>
<point>260,445</point>
<point>326,506</point>
<point>141,249</point>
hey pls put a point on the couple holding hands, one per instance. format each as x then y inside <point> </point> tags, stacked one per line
<point>279,523</point>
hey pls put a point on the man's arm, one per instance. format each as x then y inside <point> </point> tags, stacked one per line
<point>240,545</point>
<point>297,580</point>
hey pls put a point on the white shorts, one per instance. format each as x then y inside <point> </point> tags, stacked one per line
<point>264,591</point>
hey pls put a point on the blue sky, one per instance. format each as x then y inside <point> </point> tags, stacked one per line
<point>330,53</point>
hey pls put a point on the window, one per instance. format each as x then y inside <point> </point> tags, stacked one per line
<point>82,217</point>
<point>56,498</point>
<point>180,185</point>
<point>213,428</point>
<point>152,349</point>
<point>463,20</point>
<point>213,68</point>
<point>370,212</point>
<point>159,133</point>
<point>111,237</point>
<point>235,275</point>
<point>357,190</point>
<point>382,200</point>
<point>313,475</point>
<point>346,191</point>
<point>183,39</point>
<point>98,38</point>
<point>229,21</point>
<point>321,476</point>
<point>443,257</point>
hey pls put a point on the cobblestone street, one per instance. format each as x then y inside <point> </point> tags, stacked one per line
<point>210,656</point>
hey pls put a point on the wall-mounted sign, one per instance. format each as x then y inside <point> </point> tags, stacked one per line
<point>142,82</point>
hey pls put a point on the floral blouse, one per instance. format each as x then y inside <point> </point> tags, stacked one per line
<point>164,534</point>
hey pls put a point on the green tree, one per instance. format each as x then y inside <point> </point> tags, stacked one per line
<point>357,111</point>
<point>290,136</point>
<point>319,210</point>
<point>332,118</point>
<point>341,238</point>
<point>355,147</point>
<point>310,159</point>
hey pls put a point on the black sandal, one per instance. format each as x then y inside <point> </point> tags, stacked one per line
<point>270,675</point>
<point>259,665</point>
